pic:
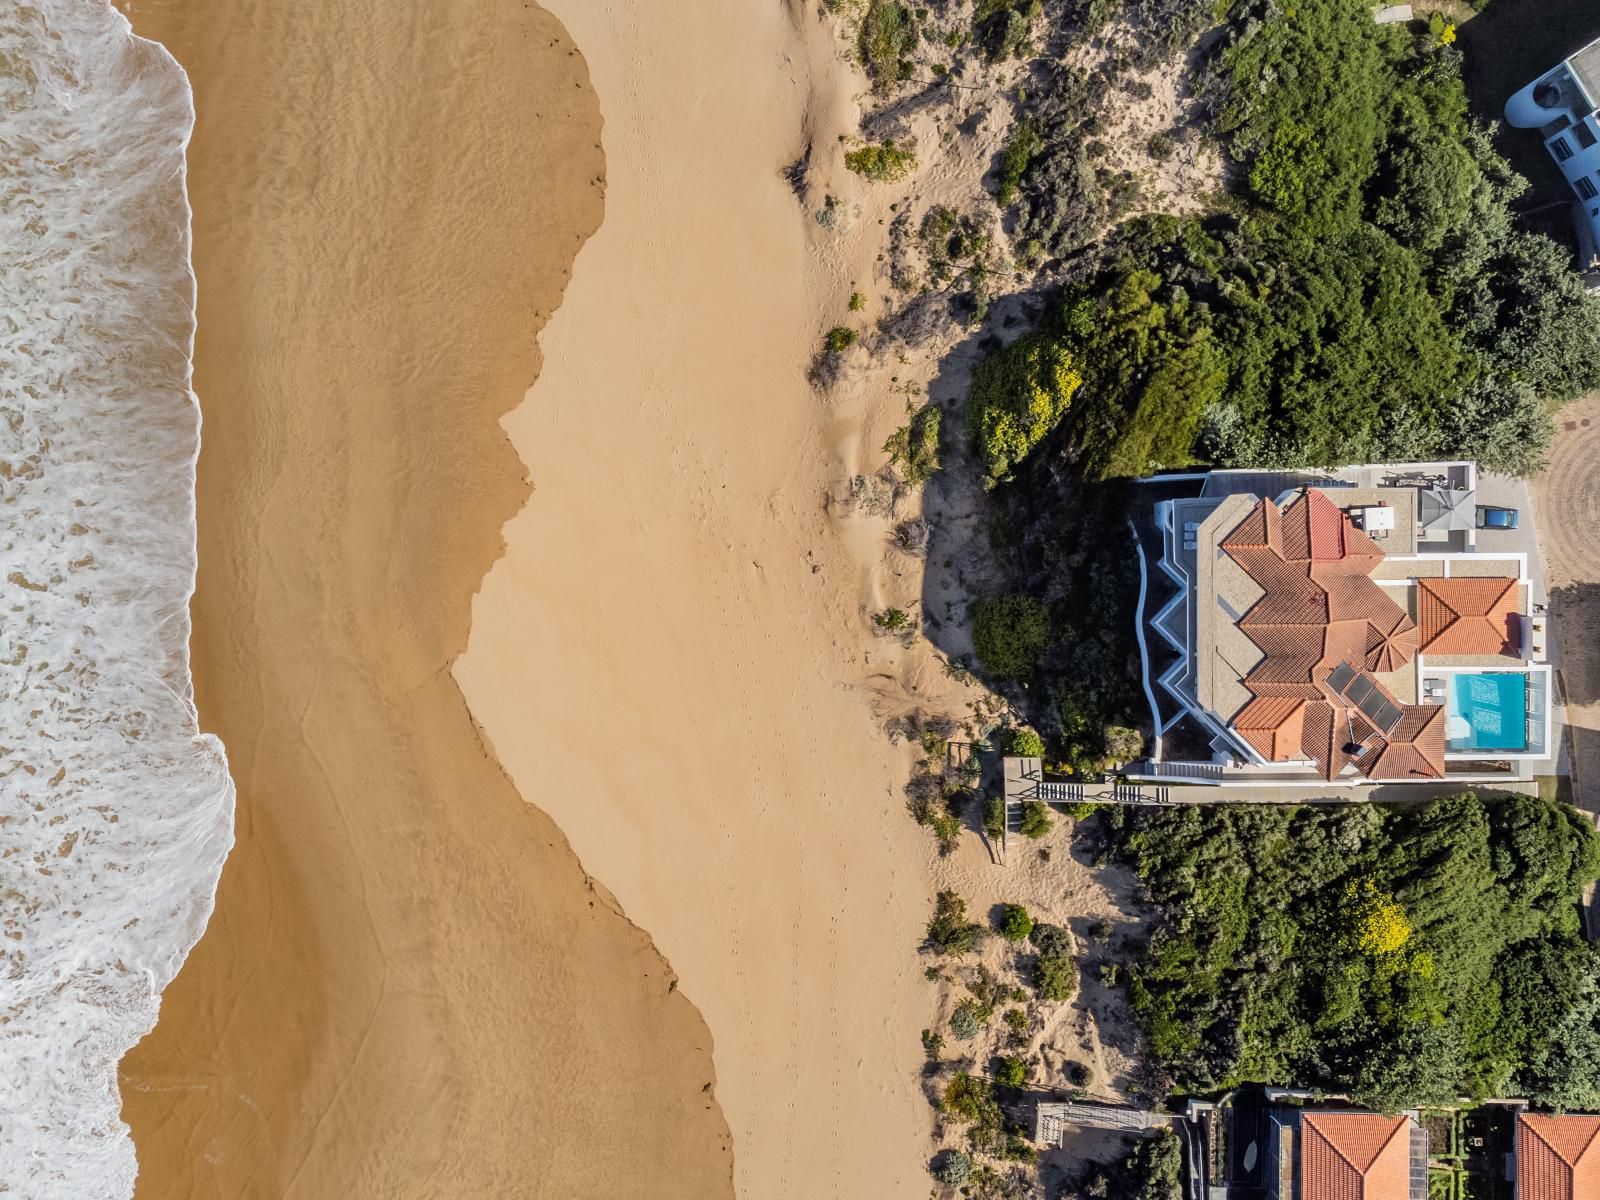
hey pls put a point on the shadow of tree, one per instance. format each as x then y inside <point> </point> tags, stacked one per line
<point>1575,613</point>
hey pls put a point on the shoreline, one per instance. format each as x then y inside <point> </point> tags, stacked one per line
<point>404,956</point>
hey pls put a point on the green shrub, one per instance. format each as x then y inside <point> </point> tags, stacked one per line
<point>964,1021</point>
<point>1002,27</point>
<point>857,301</point>
<point>881,163</point>
<point>1018,741</point>
<point>892,620</point>
<point>970,1098</point>
<point>839,339</point>
<point>1012,1073</point>
<point>1082,810</point>
<point>1161,146</point>
<point>1035,819</point>
<point>1151,1170</point>
<point>952,1166</point>
<point>1018,395</point>
<point>949,931</point>
<point>946,828</point>
<point>1015,923</point>
<point>1051,939</point>
<point>887,36</point>
<point>1009,634</point>
<point>1016,1020</point>
<point>1151,368</point>
<point>932,1043</point>
<point>1055,976</point>
<point>914,447</point>
<point>994,816</point>
<point>1023,144</point>
<point>1123,744</point>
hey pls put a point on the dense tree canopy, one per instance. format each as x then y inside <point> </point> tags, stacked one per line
<point>1406,956</point>
<point>1370,297</point>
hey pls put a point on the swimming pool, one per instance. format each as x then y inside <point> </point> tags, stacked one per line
<point>1487,711</point>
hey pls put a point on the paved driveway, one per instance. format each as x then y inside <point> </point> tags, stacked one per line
<point>1566,501</point>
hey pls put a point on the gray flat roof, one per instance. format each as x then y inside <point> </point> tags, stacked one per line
<point>1585,68</point>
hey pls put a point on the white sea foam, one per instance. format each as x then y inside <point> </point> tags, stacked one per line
<point>115,812</point>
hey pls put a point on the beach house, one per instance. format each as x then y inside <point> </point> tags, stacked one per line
<point>1561,105</point>
<point>1372,624</point>
<point>1557,1157</point>
<point>1344,1155</point>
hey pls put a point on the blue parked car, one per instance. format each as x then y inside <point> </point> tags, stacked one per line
<point>1493,517</point>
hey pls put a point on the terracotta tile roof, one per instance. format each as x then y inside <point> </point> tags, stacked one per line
<point>1273,725</point>
<point>1414,749</point>
<point>1558,1158</point>
<point>1355,1156</point>
<point>1319,609</point>
<point>1468,615</point>
<point>1325,739</point>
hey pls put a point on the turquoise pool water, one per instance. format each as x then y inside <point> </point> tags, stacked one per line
<point>1487,711</point>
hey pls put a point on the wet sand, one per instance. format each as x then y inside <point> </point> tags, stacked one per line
<point>410,986</point>
<point>674,659</point>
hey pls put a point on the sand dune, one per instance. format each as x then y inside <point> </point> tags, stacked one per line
<point>670,659</point>
<point>409,987</point>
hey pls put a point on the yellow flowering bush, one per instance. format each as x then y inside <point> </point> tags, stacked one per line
<point>1018,395</point>
<point>1378,922</point>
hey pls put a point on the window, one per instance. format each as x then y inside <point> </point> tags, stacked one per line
<point>1561,149</point>
<point>1584,134</point>
<point>1585,187</point>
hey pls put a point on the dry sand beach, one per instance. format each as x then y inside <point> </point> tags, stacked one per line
<point>409,986</point>
<point>670,658</point>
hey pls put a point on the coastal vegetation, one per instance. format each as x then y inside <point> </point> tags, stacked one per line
<point>1035,821</point>
<point>1151,1170</point>
<point>1368,293</point>
<point>949,930</point>
<point>914,447</point>
<point>1018,395</point>
<point>1353,278</point>
<point>881,162</point>
<point>1009,633</point>
<point>888,35</point>
<point>1015,923</point>
<point>1359,287</point>
<point>1404,956</point>
<point>1055,975</point>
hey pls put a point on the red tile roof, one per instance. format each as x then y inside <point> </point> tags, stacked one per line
<point>1355,1156</point>
<point>1319,608</point>
<point>1414,749</point>
<point>1468,615</point>
<point>1274,725</point>
<point>1558,1158</point>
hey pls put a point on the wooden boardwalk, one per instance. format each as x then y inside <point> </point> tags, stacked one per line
<point>1052,1118</point>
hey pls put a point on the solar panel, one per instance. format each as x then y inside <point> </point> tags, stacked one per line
<point>1363,691</point>
<point>1359,691</point>
<point>1339,678</point>
<point>1382,713</point>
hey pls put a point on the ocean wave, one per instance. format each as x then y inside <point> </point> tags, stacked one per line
<point>115,811</point>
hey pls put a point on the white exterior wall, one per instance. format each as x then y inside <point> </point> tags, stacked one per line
<point>1582,167</point>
